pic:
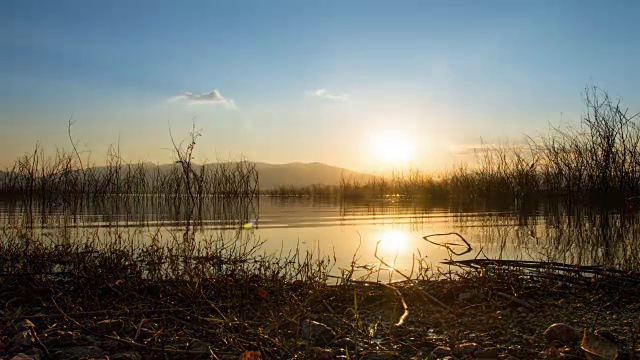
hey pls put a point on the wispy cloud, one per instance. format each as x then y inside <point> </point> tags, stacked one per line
<point>212,98</point>
<point>324,93</point>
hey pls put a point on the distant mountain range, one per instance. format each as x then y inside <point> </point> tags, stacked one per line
<point>293,174</point>
<point>303,174</point>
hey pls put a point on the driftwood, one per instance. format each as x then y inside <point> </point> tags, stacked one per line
<point>425,295</point>
<point>537,266</point>
<point>448,245</point>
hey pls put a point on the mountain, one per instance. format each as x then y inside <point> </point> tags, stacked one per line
<point>292,174</point>
<point>303,174</point>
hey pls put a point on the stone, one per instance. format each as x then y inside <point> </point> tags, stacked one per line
<point>199,345</point>
<point>15,349</point>
<point>62,338</point>
<point>125,356</point>
<point>441,351</point>
<point>488,353</point>
<point>316,332</point>
<point>24,325</point>
<point>468,348</point>
<point>563,333</point>
<point>108,327</point>
<point>569,357</point>
<point>24,338</point>
<point>345,343</point>
<point>319,353</point>
<point>607,335</point>
<point>79,352</point>
<point>379,355</point>
<point>22,356</point>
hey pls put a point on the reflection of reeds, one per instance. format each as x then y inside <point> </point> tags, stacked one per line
<point>560,234</point>
<point>64,183</point>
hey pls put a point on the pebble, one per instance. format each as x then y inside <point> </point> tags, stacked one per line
<point>199,345</point>
<point>108,327</point>
<point>317,332</point>
<point>24,338</point>
<point>441,351</point>
<point>468,348</point>
<point>22,356</point>
<point>488,353</point>
<point>607,334</point>
<point>379,355</point>
<point>563,333</point>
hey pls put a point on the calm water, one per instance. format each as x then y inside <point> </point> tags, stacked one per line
<point>345,229</point>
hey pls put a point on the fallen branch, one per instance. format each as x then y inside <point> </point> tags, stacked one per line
<point>425,295</point>
<point>445,245</point>
<point>404,303</point>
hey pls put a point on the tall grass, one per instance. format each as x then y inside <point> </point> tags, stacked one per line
<point>597,162</point>
<point>63,180</point>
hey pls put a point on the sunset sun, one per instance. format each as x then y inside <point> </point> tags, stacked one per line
<point>392,147</point>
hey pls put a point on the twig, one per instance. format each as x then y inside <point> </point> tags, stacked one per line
<point>404,303</point>
<point>445,245</point>
<point>514,299</point>
<point>422,292</point>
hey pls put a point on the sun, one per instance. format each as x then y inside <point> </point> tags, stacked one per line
<point>393,147</point>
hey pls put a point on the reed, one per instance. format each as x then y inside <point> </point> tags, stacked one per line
<point>596,163</point>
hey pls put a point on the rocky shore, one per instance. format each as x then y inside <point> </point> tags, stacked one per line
<point>496,315</point>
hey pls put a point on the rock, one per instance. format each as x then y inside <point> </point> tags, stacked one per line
<point>316,332</point>
<point>108,327</point>
<point>379,355</point>
<point>199,345</point>
<point>569,357</point>
<point>125,356</point>
<point>22,356</point>
<point>345,343</point>
<point>563,333</point>
<point>319,353</point>
<point>468,348</point>
<point>25,325</point>
<point>15,349</point>
<point>79,352</point>
<point>441,351</point>
<point>24,338</point>
<point>607,335</point>
<point>112,346</point>
<point>147,330</point>
<point>60,338</point>
<point>488,353</point>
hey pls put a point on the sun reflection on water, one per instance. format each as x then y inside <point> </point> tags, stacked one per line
<point>392,242</point>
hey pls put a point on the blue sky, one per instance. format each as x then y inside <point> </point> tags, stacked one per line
<point>305,80</point>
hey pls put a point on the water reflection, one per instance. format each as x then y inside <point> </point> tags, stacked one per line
<point>343,229</point>
<point>392,242</point>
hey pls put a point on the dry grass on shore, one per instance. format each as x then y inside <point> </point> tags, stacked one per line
<point>218,300</point>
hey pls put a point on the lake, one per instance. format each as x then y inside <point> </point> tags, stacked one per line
<point>348,230</point>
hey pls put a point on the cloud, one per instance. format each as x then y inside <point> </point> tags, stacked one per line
<point>212,98</point>
<point>324,93</point>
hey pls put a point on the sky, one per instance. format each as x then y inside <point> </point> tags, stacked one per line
<point>367,85</point>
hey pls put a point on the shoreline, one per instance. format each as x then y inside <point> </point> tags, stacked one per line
<point>495,313</point>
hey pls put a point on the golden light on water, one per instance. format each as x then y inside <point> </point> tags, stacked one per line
<point>392,146</point>
<point>392,242</point>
